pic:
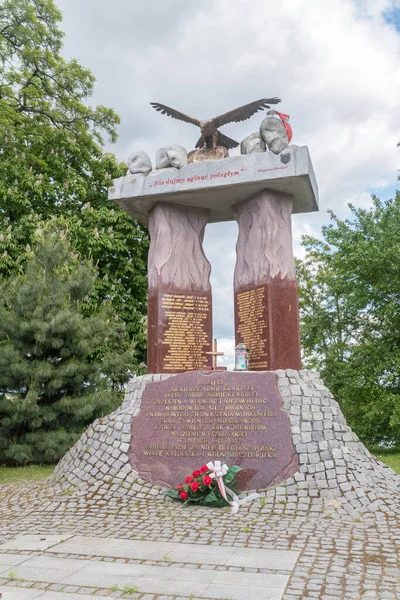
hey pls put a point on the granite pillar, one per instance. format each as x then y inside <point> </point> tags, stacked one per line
<point>265,287</point>
<point>179,305</point>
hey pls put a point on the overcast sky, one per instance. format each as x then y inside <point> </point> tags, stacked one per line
<point>335,64</point>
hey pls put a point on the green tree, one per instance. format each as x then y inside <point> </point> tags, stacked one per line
<point>59,368</point>
<point>349,287</point>
<point>53,162</point>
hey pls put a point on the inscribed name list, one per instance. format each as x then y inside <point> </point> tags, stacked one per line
<point>252,326</point>
<point>192,418</point>
<point>186,337</point>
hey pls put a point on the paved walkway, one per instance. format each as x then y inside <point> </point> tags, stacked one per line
<point>74,547</point>
<point>99,566</point>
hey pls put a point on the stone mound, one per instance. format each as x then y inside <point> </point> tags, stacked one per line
<point>336,472</point>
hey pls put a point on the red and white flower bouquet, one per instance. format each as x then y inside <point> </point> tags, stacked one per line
<point>203,486</point>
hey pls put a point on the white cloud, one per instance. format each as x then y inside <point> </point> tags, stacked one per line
<point>335,64</point>
<point>227,346</point>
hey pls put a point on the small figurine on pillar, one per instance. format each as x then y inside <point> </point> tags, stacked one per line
<point>260,189</point>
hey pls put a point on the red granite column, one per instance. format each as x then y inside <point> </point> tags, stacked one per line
<point>265,287</point>
<point>179,305</point>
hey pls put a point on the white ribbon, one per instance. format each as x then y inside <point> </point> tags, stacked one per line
<point>217,472</point>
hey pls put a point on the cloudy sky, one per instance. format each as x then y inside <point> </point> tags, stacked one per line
<point>335,64</point>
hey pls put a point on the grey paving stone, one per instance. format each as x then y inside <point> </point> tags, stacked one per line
<point>66,596</point>
<point>87,545</point>
<point>229,591</point>
<point>13,593</point>
<point>213,555</point>
<point>263,559</point>
<point>143,550</point>
<point>102,574</point>
<point>51,562</point>
<point>40,574</point>
<point>164,586</point>
<point>205,575</point>
<point>11,560</point>
<point>32,542</point>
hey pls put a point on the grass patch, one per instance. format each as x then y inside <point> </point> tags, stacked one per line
<point>22,474</point>
<point>390,456</point>
<point>129,589</point>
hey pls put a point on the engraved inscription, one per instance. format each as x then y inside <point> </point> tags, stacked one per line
<point>185,337</point>
<point>252,325</point>
<point>191,418</point>
<point>212,418</point>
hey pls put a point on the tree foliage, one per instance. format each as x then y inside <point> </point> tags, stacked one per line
<point>62,358</point>
<point>349,286</point>
<point>52,160</point>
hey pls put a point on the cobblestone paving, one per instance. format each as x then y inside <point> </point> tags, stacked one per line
<point>341,555</point>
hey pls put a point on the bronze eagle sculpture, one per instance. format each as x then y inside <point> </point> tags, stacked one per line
<point>210,136</point>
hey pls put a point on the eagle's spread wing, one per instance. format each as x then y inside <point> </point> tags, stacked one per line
<point>175,114</point>
<point>224,140</point>
<point>244,112</point>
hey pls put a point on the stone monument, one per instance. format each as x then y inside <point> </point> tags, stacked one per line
<point>280,423</point>
<point>196,418</point>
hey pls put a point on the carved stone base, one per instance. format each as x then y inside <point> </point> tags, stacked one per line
<point>93,465</point>
<point>208,154</point>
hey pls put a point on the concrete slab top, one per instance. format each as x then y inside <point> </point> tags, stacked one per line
<point>220,184</point>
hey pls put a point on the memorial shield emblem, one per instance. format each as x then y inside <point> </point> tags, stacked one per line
<point>285,158</point>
